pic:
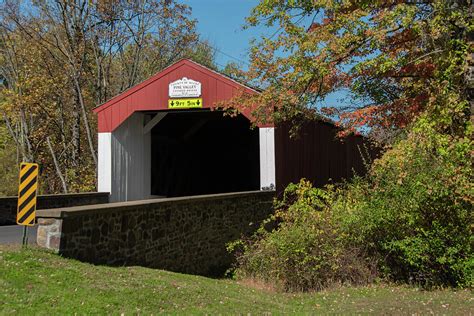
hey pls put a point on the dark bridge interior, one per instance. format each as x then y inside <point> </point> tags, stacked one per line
<point>203,152</point>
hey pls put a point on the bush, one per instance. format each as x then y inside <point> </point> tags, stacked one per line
<point>305,250</point>
<point>410,219</point>
<point>414,210</point>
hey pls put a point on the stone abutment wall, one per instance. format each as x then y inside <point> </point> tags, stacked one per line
<point>186,234</point>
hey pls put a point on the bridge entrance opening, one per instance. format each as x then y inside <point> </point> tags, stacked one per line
<point>203,152</point>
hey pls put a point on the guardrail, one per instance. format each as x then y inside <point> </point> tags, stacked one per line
<point>8,205</point>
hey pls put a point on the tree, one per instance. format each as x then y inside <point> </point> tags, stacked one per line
<point>8,162</point>
<point>60,58</point>
<point>34,102</point>
<point>405,64</point>
<point>234,70</point>
<point>386,54</point>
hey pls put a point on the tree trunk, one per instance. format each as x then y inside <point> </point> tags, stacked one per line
<point>85,120</point>
<point>56,165</point>
<point>76,134</point>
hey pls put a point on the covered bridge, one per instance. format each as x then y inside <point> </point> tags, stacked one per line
<point>161,139</point>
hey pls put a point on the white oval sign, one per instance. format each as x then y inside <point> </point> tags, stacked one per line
<point>184,88</point>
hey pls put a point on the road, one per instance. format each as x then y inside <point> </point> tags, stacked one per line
<point>12,234</point>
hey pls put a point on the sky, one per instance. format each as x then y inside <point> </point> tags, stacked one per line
<point>220,22</point>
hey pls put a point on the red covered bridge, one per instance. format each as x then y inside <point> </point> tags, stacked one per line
<point>160,138</point>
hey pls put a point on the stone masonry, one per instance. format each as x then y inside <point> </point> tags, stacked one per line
<point>187,234</point>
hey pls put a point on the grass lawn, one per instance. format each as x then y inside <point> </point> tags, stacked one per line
<point>35,281</point>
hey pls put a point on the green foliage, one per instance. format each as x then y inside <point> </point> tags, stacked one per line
<point>415,209</point>
<point>203,53</point>
<point>413,212</point>
<point>411,215</point>
<point>306,249</point>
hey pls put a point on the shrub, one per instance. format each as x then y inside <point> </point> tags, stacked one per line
<point>411,217</point>
<point>305,250</point>
<point>415,209</point>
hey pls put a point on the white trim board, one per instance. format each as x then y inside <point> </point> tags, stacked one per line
<point>104,165</point>
<point>267,158</point>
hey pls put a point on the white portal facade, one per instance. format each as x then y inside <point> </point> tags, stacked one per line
<point>124,159</point>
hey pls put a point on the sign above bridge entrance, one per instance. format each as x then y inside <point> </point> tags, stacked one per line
<point>184,88</point>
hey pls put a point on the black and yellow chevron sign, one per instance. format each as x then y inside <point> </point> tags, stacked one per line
<point>27,194</point>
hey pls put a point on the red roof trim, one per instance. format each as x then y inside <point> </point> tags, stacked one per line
<point>164,72</point>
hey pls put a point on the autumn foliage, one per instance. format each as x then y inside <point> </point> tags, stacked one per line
<point>381,57</point>
<point>403,64</point>
<point>59,59</point>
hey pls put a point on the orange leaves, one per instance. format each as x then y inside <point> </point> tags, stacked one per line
<point>314,27</point>
<point>386,54</point>
<point>396,114</point>
<point>400,41</point>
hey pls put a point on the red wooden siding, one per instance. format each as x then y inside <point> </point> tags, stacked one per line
<point>318,155</point>
<point>152,94</point>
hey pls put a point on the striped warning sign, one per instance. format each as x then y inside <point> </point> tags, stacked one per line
<point>27,194</point>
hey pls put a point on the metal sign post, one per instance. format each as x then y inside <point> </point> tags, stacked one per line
<point>27,192</point>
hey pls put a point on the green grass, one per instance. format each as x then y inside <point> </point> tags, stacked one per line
<point>34,281</point>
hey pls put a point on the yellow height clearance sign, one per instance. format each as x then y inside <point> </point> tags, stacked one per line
<point>27,189</point>
<point>184,103</point>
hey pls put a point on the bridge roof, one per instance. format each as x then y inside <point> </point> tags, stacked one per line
<point>152,94</point>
